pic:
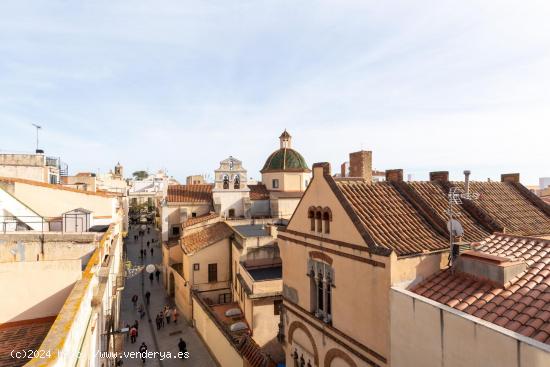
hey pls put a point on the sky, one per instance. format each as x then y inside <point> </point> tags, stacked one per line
<point>181,85</point>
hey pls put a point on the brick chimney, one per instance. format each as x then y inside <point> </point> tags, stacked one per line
<point>360,165</point>
<point>321,169</point>
<point>509,177</point>
<point>439,176</point>
<point>394,175</point>
<point>344,168</point>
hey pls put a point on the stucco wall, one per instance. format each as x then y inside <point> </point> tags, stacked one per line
<point>30,294</point>
<point>266,323</point>
<point>64,200</point>
<point>216,341</point>
<point>26,172</point>
<point>426,333</point>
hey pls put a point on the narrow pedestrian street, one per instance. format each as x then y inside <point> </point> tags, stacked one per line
<point>166,339</point>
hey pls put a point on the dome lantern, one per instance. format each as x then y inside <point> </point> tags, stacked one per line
<point>285,140</point>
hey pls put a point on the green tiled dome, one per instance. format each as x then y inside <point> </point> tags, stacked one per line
<point>285,159</point>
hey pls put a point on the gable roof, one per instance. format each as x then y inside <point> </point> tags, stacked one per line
<point>522,306</point>
<point>189,193</point>
<point>410,218</point>
<point>504,202</point>
<point>207,236</point>
<point>258,192</point>
<point>391,221</point>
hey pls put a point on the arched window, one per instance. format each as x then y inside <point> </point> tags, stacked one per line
<point>327,218</point>
<point>237,182</point>
<point>319,218</point>
<point>311,216</point>
<point>225,182</point>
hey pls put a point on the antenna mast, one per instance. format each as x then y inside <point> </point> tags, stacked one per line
<point>38,127</point>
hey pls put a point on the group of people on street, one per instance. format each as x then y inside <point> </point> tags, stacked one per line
<point>167,313</point>
<point>165,316</point>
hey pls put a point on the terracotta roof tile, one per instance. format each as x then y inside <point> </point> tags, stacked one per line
<point>205,237</point>
<point>189,193</point>
<point>523,306</point>
<point>22,335</point>
<point>200,219</point>
<point>258,192</point>
<point>390,219</point>
<point>436,197</point>
<point>510,208</point>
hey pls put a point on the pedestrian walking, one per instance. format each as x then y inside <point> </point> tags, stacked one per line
<point>143,351</point>
<point>134,300</point>
<point>175,314</point>
<point>161,319</point>
<point>133,334</point>
<point>141,311</point>
<point>157,320</point>
<point>136,325</point>
<point>141,254</point>
<point>168,315</point>
<point>151,252</point>
<point>128,332</point>
<point>151,278</point>
<point>147,297</point>
<point>183,348</point>
<point>147,244</point>
<point>157,274</point>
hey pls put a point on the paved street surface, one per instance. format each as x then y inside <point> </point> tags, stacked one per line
<point>167,338</point>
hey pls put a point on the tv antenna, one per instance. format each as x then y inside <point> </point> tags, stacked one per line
<point>38,127</point>
<point>455,197</point>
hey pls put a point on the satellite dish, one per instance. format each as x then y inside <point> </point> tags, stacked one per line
<point>455,228</point>
<point>150,268</point>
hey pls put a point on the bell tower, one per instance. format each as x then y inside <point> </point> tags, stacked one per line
<point>285,139</point>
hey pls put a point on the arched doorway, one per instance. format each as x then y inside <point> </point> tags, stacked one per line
<point>172,285</point>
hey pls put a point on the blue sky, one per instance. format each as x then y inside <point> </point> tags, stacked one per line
<point>180,85</point>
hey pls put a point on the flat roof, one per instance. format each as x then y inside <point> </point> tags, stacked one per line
<point>274,272</point>
<point>252,230</point>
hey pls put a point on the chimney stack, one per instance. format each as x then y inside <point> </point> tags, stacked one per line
<point>360,165</point>
<point>439,176</point>
<point>467,181</point>
<point>344,169</point>
<point>394,175</point>
<point>509,177</point>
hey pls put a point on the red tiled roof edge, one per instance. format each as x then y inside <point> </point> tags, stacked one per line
<point>39,320</point>
<point>372,246</point>
<point>534,199</point>
<point>203,218</point>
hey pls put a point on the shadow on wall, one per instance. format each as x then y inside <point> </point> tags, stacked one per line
<point>290,293</point>
<point>48,307</point>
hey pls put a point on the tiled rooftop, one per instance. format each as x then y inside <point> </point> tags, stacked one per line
<point>189,193</point>
<point>205,237</point>
<point>22,335</point>
<point>390,219</point>
<point>522,305</point>
<point>200,219</point>
<point>510,209</point>
<point>410,218</point>
<point>258,192</point>
<point>436,197</point>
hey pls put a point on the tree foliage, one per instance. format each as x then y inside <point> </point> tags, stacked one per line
<point>140,175</point>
